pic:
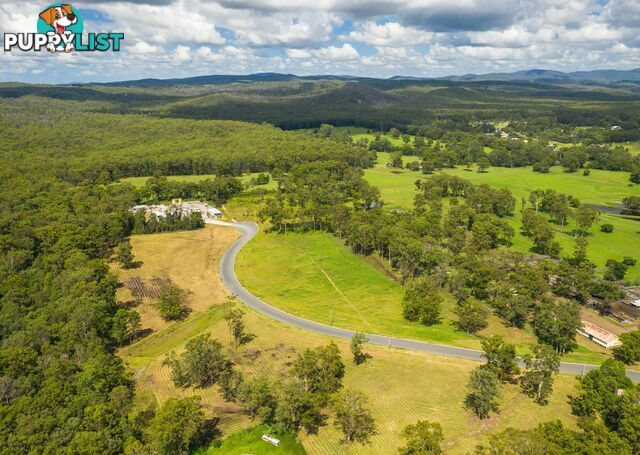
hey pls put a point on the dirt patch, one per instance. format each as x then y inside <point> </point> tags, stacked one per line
<point>145,289</point>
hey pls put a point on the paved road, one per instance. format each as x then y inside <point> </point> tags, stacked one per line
<point>228,275</point>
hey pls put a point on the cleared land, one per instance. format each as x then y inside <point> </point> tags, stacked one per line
<point>402,386</point>
<point>314,276</point>
<point>603,188</point>
<point>186,258</point>
<point>395,141</point>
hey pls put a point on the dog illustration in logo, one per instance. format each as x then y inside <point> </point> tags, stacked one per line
<point>59,18</point>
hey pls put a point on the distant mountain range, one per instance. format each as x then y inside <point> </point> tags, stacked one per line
<point>533,75</point>
<point>538,75</point>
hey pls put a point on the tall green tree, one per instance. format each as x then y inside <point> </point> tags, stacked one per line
<point>555,323</point>
<point>482,392</point>
<point>423,438</point>
<point>201,364</point>
<point>237,327</point>
<point>422,302</point>
<point>357,341</point>
<point>124,254</point>
<point>501,357</point>
<point>297,409</point>
<point>629,351</point>
<point>172,303</point>
<point>320,370</point>
<point>540,367</point>
<point>353,417</point>
<point>472,317</point>
<point>585,217</point>
<point>177,427</point>
<point>257,398</point>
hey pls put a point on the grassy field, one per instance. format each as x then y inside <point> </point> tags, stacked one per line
<point>140,181</point>
<point>314,276</point>
<point>633,147</point>
<point>186,258</point>
<point>600,188</point>
<point>402,386</point>
<point>395,141</point>
<point>248,441</point>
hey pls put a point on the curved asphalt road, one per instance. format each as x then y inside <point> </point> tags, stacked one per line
<point>228,275</point>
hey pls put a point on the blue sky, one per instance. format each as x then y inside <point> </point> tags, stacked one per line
<point>383,38</point>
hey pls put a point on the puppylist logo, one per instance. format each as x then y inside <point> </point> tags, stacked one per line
<point>60,28</point>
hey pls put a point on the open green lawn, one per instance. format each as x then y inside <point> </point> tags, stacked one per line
<point>248,441</point>
<point>314,276</point>
<point>600,188</point>
<point>140,181</point>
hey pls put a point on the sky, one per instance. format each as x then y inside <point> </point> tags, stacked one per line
<point>378,38</point>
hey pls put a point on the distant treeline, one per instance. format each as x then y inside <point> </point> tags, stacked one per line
<point>218,190</point>
<point>104,148</point>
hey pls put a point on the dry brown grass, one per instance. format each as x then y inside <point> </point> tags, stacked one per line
<point>187,258</point>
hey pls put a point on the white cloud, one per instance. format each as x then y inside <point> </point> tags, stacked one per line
<point>346,52</point>
<point>176,38</point>
<point>297,53</point>
<point>142,47</point>
<point>389,34</point>
<point>181,54</point>
<point>176,23</point>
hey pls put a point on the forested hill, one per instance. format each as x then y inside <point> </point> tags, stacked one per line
<point>116,146</point>
<point>291,102</point>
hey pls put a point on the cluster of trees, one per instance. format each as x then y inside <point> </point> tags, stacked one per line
<point>176,220</point>
<point>465,148</point>
<point>115,146</point>
<point>219,189</point>
<point>608,408</point>
<point>536,380</point>
<point>298,401</point>
<point>315,196</point>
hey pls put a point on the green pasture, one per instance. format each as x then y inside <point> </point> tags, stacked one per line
<point>248,441</point>
<point>315,276</point>
<point>395,141</point>
<point>605,188</point>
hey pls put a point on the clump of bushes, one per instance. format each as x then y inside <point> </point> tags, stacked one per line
<point>608,228</point>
